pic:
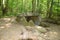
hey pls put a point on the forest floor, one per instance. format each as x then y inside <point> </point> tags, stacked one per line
<point>10,30</point>
<point>54,33</point>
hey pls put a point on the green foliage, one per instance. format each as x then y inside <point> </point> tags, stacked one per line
<point>16,7</point>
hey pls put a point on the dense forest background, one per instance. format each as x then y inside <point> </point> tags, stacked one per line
<point>45,8</point>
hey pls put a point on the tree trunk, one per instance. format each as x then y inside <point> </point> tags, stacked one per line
<point>58,6</point>
<point>0,8</point>
<point>33,6</point>
<point>50,12</point>
<point>48,7</point>
<point>5,7</point>
<point>38,6</point>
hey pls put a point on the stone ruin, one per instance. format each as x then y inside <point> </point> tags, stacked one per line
<point>27,17</point>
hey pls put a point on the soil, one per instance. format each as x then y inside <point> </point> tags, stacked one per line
<point>11,30</point>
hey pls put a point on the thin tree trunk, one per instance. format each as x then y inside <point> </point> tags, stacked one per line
<point>50,12</point>
<point>38,6</point>
<point>48,7</point>
<point>58,6</point>
<point>0,8</point>
<point>33,6</point>
<point>5,7</point>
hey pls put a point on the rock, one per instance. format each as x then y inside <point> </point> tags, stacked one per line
<point>41,29</point>
<point>44,24</point>
<point>23,21</point>
<point>29,16</point>
<point>31,23</point>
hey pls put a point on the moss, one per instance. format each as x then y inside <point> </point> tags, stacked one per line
<point>31,23</point>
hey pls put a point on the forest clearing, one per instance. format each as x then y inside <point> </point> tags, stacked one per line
<point>29,19</point>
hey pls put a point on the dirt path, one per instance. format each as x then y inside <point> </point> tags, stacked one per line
<point>15,31</point>
<point>54,33</point>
